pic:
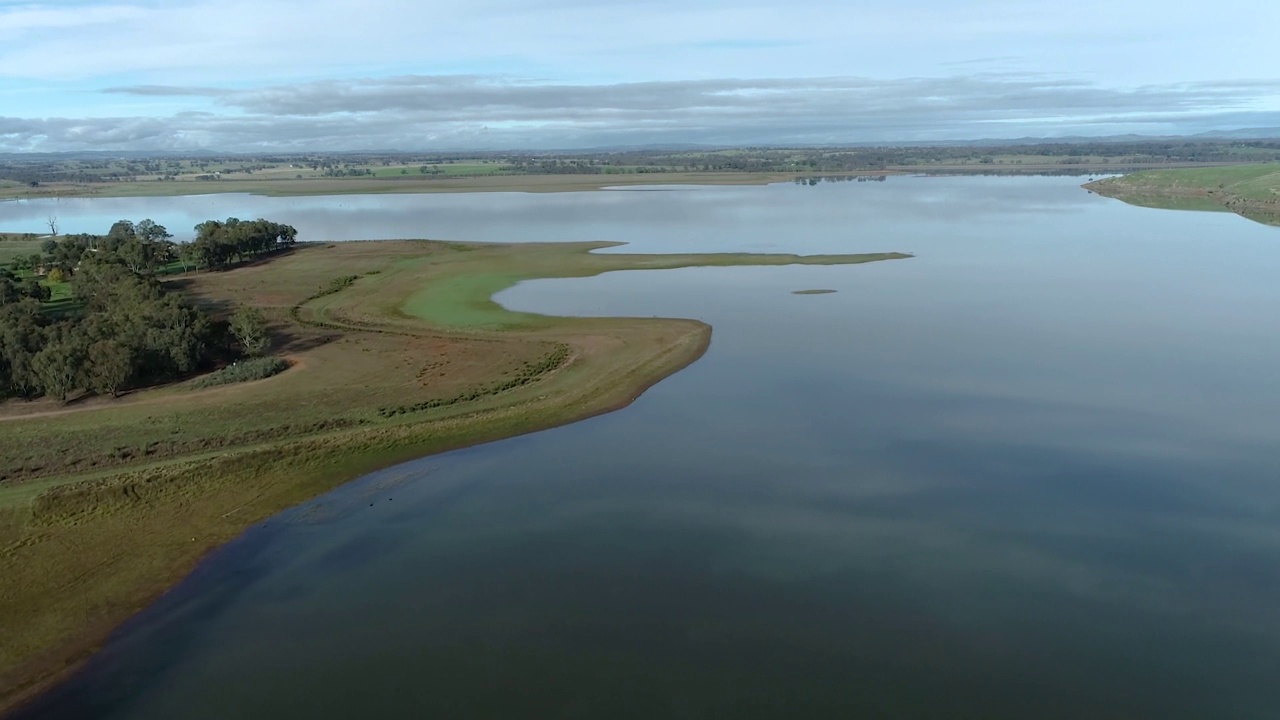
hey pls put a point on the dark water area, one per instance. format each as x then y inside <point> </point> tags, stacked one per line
<point>1030,473</point>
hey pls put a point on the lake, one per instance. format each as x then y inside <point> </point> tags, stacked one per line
<point>1031,473</point>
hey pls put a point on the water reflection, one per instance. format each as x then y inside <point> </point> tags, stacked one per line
<point>702,217</point>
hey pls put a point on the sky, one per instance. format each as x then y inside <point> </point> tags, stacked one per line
<point>421,75</point>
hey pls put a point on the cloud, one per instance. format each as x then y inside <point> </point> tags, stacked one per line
<point>474,112</point>
<point>948,99</point>
<point>166,91</point>
<point>279,72</point>
<point>36,18</point>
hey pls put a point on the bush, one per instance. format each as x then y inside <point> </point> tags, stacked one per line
<point>243,371</point>
<point>337,284</point>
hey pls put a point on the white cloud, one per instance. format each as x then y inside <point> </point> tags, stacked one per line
<point>21,20</point>
<point>475,112</point>
<point>447,67</point>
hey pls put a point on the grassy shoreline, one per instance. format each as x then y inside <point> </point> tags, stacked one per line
<point>98,517</point>
<point>1252,191</point>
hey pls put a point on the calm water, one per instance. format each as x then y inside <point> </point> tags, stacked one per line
<point>1031,473</point>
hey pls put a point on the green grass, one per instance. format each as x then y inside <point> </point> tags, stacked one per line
<point>1250,190</point>
<point>466,301</point>
<point>445,170</point>
<point>1249,181</point>
<point>11,250</point>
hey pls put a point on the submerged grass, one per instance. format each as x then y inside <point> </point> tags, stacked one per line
<point>396,349</point>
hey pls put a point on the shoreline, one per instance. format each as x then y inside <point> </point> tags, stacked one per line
<point>1250,191</point>
<point>214,496</point>
<point>31,693</point>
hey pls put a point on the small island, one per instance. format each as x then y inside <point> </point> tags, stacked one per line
<point>815,291</point>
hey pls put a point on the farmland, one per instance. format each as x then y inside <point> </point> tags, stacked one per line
<point>105,175</point>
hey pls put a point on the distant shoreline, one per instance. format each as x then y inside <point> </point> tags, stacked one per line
<point>533,183</point>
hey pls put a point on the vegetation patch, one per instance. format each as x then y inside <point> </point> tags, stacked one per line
<point>241,371</point>
<point>1252,191</point>
<point>335,285</point>
<point>528,373</point>
<point>114,325</point>
<point>816,291</point>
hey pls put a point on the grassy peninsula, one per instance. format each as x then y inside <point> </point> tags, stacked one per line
<point>1252,191</point>
<point>395,351</point>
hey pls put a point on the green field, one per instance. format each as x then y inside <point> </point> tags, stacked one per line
<point>1257,182</point>
<point>10,250</point>
<point>104,503</point>
<point>447,170</point>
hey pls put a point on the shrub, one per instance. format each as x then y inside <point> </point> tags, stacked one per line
<point>243,371</point>
<point>337,284</point>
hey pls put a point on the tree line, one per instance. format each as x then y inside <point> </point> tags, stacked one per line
<point>129,330</point>
<point>218,243</point>
<point>146,247</point>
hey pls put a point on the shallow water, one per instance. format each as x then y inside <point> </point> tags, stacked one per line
<point>1031,472</point>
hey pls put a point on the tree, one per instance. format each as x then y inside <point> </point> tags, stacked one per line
<point>250,328</point>
<point>150,231</point>
<point>21,336</point>
<point>121,232</point>
<point>36,291</point>
<point>188,256</point>
<point>9,290</point>
<point>140,255</point>
<point>110,367</point>
<point>57,367</point>
<point>49,246</point>
<point>53,225</point>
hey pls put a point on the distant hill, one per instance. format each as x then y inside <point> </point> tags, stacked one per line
<point>1241,134</point>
